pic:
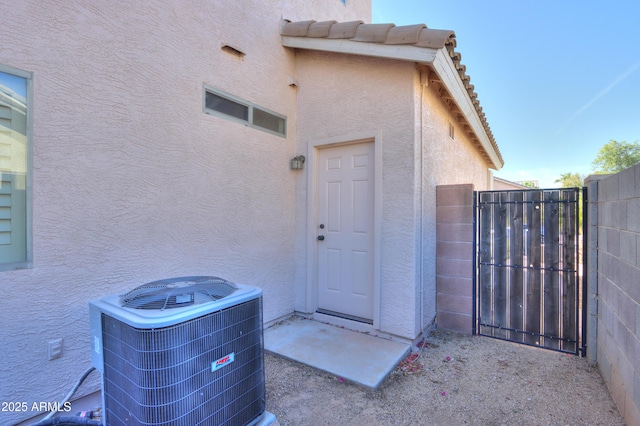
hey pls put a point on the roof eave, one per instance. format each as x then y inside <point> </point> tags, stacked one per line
<point>398,52</point>
<point>438,59</point>
<point>448,74</point>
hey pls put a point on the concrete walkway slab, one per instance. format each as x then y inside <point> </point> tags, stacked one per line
<point>357,357</point>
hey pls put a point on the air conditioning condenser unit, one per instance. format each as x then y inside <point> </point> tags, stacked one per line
<point>181,351</point>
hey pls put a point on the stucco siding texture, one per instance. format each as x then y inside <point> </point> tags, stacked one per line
<point>446,161</point>
<point>343,95</point>
<point>132,181</point>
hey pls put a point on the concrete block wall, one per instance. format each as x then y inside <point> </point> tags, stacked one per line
<point>618,286</point>
<point>454,265</point>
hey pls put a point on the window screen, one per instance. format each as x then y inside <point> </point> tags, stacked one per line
<point>227,106</point>
<point>250,114</point>
<point>268,121</point>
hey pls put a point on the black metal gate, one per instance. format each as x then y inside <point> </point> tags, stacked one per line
<point>528,285</point>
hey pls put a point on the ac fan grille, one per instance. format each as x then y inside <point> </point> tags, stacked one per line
<point>164,376</point>
<point>177,292</point>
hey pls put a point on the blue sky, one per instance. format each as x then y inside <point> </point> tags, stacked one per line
<point>556,79</point>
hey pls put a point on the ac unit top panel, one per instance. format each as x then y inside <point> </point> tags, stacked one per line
<point>157,318</point>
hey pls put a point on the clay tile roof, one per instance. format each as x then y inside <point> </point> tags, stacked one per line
<point>372,33</point>
<point>344,29</point>
<point>320,29</point>
<point>437,39</point>
<point>418,35</point>
<point>297,29</point>
<point>406,34</point>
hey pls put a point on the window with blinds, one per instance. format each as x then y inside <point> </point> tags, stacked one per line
<point>14,148</point>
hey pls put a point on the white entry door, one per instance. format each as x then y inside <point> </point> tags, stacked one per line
<point>345,230</point>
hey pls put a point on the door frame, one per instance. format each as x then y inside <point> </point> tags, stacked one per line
<point>314,147</point>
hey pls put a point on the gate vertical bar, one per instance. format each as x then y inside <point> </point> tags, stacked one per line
<point>551,285</point>
<point>534,263</point>
<point>569,282</point>
<point>500,260</point>
<point>516,272</point>
<point>485,259</point>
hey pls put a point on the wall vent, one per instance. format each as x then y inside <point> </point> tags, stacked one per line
<point>233,50</point>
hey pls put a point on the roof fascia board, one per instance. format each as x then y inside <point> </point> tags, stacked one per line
<point>397,52</point>
<point>446,70</point>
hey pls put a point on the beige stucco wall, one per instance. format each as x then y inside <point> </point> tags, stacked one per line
<point>343,97</point>
<point>445,161</point>
<point>504,185</point>
<point>132,182</point>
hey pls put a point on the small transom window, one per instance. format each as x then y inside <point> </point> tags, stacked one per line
<point>236,109</point>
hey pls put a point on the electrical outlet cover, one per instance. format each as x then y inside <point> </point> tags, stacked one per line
<point>55,349</point>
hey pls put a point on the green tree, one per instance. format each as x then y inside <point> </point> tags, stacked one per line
<point>616,156</point>
<point>573,180</point>
<point>529,183</point>
<point>570,180</point>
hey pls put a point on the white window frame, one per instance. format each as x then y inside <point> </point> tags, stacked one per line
<point>28,261</point>
<point>250,106</point>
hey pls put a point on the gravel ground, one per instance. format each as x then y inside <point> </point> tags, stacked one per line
<point>452,379</point>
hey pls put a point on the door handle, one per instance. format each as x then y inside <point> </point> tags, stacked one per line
<point>320,237</point>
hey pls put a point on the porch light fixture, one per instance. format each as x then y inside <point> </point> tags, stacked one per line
<point>297,162</point>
